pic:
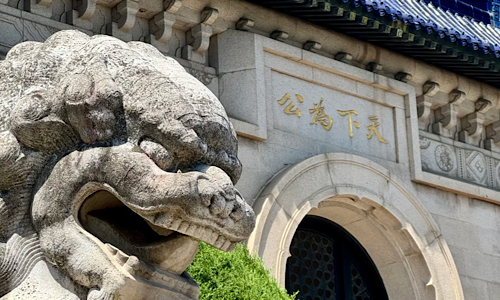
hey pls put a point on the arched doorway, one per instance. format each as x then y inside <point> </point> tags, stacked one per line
<point>327,262</point>
<point>375,207</point>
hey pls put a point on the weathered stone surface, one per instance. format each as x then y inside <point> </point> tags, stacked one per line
<point>114,162</point>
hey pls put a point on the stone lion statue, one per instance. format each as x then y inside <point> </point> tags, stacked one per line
<point>114,162</point>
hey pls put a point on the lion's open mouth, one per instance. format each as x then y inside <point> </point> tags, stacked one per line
<point>142,248</point>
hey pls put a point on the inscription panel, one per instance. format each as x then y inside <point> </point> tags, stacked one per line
<point>333,117</point>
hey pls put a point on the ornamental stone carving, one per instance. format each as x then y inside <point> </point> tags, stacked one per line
<point>460,161</point>
<point>475,163</point>
<point>114,162</point>
<point>424,143</point>
<point>444,158</point>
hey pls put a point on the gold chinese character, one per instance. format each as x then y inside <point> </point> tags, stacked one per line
<point>320,117</point>
<point>348,113</point>
<point>288,109</point>
<point>373,129</point>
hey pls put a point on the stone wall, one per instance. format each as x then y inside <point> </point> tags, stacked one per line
<point>472,229</point>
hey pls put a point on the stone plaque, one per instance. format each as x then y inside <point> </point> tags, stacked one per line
<point>333,117</point>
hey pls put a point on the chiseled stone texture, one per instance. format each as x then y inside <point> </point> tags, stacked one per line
<point>114,162</point>
<point>453,159</point>
<point>471,228</point>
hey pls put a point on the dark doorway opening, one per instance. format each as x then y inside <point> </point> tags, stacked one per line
<point>327,262</point>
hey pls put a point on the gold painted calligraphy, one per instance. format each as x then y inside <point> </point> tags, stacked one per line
<point>320,117</point>
<point>373,129</point>
<point>349,114</point>
<point>289,108</point>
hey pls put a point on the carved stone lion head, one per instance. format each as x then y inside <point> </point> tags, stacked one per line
<point>114,163</point>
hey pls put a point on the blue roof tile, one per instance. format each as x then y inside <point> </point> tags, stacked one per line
<point>451,33</point>
<point>443,23</point>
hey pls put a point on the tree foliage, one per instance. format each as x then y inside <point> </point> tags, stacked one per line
<point>234,276</point>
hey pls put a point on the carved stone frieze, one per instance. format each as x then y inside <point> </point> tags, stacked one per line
<point>424,143</point>
<point>445,158</point>
<point>472,166</point>
<point>203,77</point>
<point>459,161</point>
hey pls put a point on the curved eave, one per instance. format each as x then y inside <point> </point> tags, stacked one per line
<point>451,49</point>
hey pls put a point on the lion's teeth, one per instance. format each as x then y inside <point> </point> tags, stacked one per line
<point>212,237</point>
<point>192,230</point>
<point>226,245</point>
<point>231,247</point>
<point>175,225</point>
<point>112,249</point>
<point>204,233</point>
<point>199,233</point>
<point>183,227</point>
<point>132,265</point>
<point>220,241</point>
<point>121,257</point>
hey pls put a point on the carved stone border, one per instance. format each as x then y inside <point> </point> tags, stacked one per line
<point>458,167</point>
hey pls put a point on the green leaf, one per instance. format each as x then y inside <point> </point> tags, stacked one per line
<point>234,276</point>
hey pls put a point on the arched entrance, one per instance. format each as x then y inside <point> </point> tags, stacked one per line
<point>375,207</point>
<point>327,262</point>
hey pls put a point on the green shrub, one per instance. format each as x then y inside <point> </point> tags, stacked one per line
<point>233,276</point>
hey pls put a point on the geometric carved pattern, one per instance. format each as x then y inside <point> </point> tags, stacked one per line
<point>476,166</point>
<point>480,167</point>
<point>496,174</point>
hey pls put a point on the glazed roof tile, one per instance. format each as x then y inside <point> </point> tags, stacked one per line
<point>415,28</point>
<point>445,24</point>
